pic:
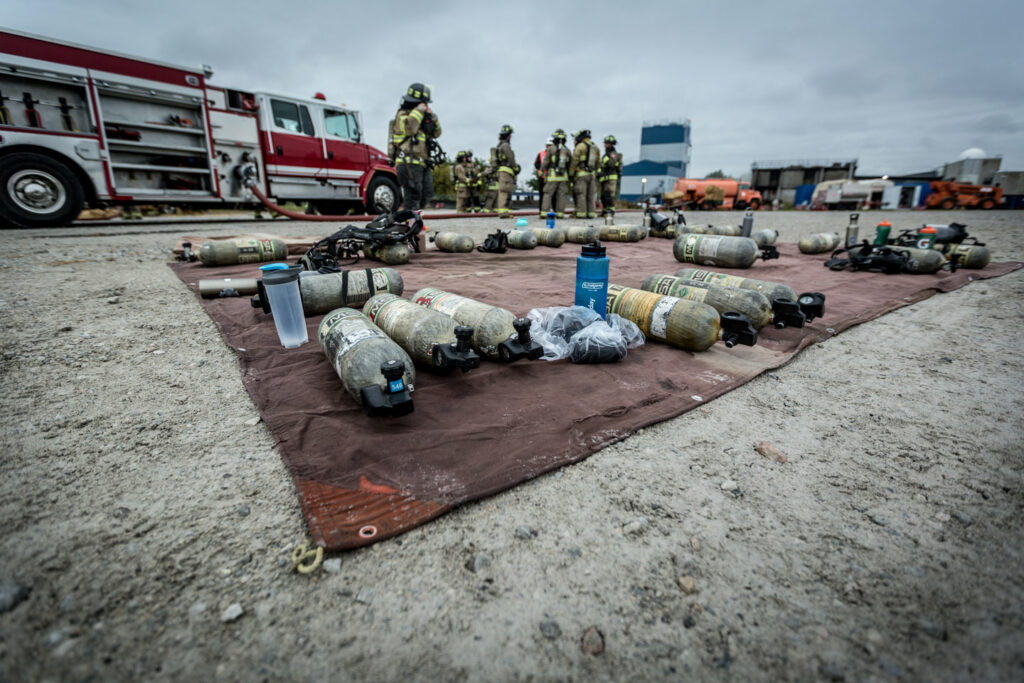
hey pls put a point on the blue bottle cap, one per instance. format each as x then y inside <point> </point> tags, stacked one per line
<point>522,223</point>
<point>275,266</point>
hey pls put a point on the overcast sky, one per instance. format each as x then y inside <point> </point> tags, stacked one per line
<point>901,86</point>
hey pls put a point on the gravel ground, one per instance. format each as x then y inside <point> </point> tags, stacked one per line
<point>148,520</point>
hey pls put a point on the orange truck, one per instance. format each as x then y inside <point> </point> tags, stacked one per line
<point>711,193</point>
<point>949,195</point>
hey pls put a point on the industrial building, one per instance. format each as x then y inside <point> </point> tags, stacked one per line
<point>780,179</point>
<point>664,156</point>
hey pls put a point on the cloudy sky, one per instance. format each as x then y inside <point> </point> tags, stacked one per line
<point>901,86</point>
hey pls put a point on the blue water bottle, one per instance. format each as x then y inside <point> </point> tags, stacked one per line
<point>592,278</point>
<point>551,220</point>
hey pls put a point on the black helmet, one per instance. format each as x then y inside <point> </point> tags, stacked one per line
<point>459,156</point>
<point>559,134</point>
<point>583,133</point>
<point>505,130</point>
<point>610,139</point>
<point>417,92</point>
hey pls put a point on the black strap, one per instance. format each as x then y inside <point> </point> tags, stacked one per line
<point>344,287</point>
<point>369,281</point>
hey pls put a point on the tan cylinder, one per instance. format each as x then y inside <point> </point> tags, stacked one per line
<point>324,292</point>
<point>771,290</point>
<point>681,323</point>
<point>621,233</point>
<point>695,229</point>
<point>233,251</point>
<point>227,287</point>
<point>521,239</point>
<point>491,324</point>
<point>819,243</point>
<point>971,255</point>
<point>921,261</point>
<point>549,237</point>
<point>723,299</point>
<point>356,348</point>
<point>764,237</point>
<point>391,254</point>
<point>669,232</point>
<point>416,329</point>
<point>582,234</point>
<point>453,242</point>
<point>716,250</point>
<point>727,230</point>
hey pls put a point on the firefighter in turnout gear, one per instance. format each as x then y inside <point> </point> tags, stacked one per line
<point>508,169</point>
<point>489,180</point>
<point>555,167</point>
<point>582,170</point>
<point>476,184</point>
<point>608,176</point>
<point>537,163</point>
<point>408,148</point>
<point>463,183</point>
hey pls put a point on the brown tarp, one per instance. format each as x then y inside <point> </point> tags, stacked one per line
<point>363,479</point>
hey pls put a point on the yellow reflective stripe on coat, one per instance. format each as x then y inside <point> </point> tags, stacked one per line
<point>417,114</point>
<point>556,178</point>
<point>506,169</point>
<point>581,174</point>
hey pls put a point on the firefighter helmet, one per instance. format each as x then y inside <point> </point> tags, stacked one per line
<point>610,139</point>
<point>582,134</point>
<point>417,92</point>
<point>505,130</point>
<point>558,135</point>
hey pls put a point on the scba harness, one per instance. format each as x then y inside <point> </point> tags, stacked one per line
<point>326,255</point>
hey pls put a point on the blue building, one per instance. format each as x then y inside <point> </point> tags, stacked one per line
<point>664,157</point>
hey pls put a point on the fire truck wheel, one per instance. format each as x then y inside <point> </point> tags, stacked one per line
<point>948,203</point>
<point>987,204</point>
<point>755,205</point>
<point>38,192</point>
<point>382,196</point>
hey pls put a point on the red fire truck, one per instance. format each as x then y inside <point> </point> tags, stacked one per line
<point>86,127</point>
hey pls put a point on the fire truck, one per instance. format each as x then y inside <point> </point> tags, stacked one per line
<point>86,127</point>
<point>693,194</point>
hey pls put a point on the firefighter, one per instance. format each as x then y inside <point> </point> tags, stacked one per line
<point>408,146</point>
<point>474,183</point>
<point>489,181</point>
<point>584,162</point>
<point>555,167</point>
<point>508,169</point>
<point>537,163</point>
<point>608,176</point>
<point>462,184</point>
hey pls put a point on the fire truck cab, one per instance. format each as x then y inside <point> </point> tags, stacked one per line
<point>83,127</point>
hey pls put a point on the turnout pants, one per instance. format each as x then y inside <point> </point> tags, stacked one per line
<point>554,197</point>
<point>584,191</point>
<point>506,186</point>
<point>608,195</point>
<point>417,185</point>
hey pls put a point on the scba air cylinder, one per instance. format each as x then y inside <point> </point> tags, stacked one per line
<point>716,250</point>
<point>971,255</point>
<point>452,242</point>
<point>235,251</point>
<point>428,336</point>
<point>497,334</point>
<point>723,299</point>
<point>621,233</point>
<point>324,292</point>
<point>771,290</point>
<point>374,370</point>
<point>582,234</point>
<point>549,237</point>
<point>920,261</point>
<point>522,239</point>
<point>818,243</point>
<point>681,323</point>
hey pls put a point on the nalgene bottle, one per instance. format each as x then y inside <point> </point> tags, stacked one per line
<point>592,278</point>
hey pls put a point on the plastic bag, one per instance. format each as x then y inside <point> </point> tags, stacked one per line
<point>579,334</point>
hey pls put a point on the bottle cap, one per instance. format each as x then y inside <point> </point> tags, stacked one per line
<point>929,229</point>
<point>274,266</point>
<point>281,277</point>
<point>594,249</point>
<point>886,224</point>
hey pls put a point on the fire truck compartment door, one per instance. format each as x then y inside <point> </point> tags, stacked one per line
<point>295,148</point>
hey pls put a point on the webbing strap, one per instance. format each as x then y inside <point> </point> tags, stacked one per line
<point>369,281</point>
<point>344,287</point>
